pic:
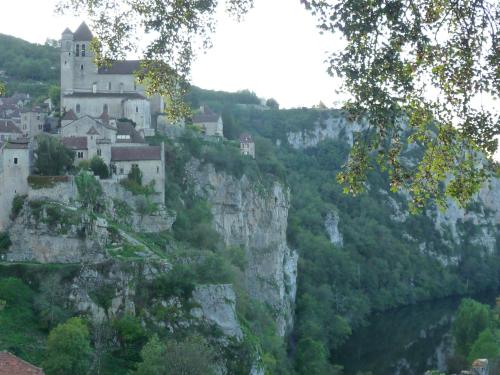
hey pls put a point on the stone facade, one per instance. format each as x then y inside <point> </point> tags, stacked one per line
<point>247,145</point>
<point>209,122</point>
<point>32,122</point>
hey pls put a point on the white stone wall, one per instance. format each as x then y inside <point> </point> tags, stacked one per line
<point>61,192</point>
<point>32,123</point>
<point>94,106</point>
<point>138,111</point>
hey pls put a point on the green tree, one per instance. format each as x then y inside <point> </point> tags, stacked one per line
<point>4,241</point>
<point>472,318</point>
<point>191,356</point>
<point>135,175</point>
<point>312,358</point>
<point>51,157</point>
<point>99,167</point>
<point>50,300</point>
<point>89,190</point>
<point>3,89</point>
<point>392,60</point>
<point>55,96</point>
<point>487,345</point>
<point>272,103</point>
<point>68,349</point>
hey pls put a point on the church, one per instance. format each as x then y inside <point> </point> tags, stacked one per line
<point>89,90</point>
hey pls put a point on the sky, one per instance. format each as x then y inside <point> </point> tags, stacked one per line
<point>276,51</point>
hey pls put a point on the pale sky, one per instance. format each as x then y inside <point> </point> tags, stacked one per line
<point>276,51</point>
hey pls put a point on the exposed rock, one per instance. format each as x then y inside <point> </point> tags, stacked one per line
<point>255,218</point>
<point>332,228</point>
<point>218,307</point>
<point>332,128</point>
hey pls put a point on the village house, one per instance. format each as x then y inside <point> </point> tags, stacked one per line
<point>247,145</point>
<point>33,121</point>
<point>209,122</point>
<point>12,365</point>
<point>9,130</point>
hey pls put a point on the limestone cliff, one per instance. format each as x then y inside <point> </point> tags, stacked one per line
<point>248,215</point>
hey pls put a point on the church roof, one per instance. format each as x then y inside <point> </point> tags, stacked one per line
<point>75,143</point>
<point>67,31</point>
<point>83,33</point>
<point>121,67</point>
<point>12,365</point>
<point>125,95</point>
<point>134,153</point>
<point>69,116</point>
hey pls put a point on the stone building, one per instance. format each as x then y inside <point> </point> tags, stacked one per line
<point>89,90</point>
<point>15,166</point>
<point>209,122</point>
<point>9,130</point>
<point>33,121</point>
<point>149,159</point>
<point>247,145</point>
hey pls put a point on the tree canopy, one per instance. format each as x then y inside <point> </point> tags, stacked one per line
<point>52,158</point>
<point>413,68</point>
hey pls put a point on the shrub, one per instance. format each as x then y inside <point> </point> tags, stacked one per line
<point>17,205</point>
<point>52,158</point>
<point>4,241</point>
<point>99,167</point>
<point>135,175</point>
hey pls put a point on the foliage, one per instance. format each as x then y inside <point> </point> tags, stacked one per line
<point>135,175</point>
<point>99,167</point>
<point>487,345</point>
<point>17,206</point>
<point>45,182</point>
<point>50,300</point>
<point>272,103</point>
<point>131,336</point>
<point>68,349</point>
<point>472,318</point>
<point>3,89</point>
<point>51,157</point>
<point>89,190</point>
<point>55,96</point>
<point>191,356</point>
<point>4,241</point>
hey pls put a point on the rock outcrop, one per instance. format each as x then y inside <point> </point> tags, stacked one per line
<point>255,218</point>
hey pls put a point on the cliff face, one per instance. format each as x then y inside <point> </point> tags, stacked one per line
<point>255,218</point>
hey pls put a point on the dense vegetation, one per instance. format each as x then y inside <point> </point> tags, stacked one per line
<point>29,68</point>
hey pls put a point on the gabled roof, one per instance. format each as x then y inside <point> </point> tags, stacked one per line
<point>67,31</point>
<point>104,117</point>
<point>121,67</point>
<point>8,126</point>
<point>75,143</point>
<point>83,33</point>
<point>12,365</point>
<point>127,129</point>
<point>93,131</point>
<point>206,115</point>
<point>135,153</point>
<point>69,116</point>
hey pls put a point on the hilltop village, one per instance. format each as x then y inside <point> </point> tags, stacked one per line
<point>105,114</point>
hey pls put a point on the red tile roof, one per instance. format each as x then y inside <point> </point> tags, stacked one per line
<point>127,153</point>
<point>12,365</point>
<point>8,126</point>
<point>70,116</point>
<point>75,143</point>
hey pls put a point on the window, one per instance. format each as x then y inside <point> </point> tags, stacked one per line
<point>121,170</point>
<point>83,50</point>
<point>158,170</point>
<point>135,86</point>
<point>65,62</point>
<point>77,50</point>
<point>78,108</point>
<point>40,126</point>
<point>94,87</point>
<point>105,108</point>
<point>81,67</point>
<point>136,109</point>
<point>80,154</point>
<point>99,152</point>
<point>109,86</point>
<point>15,160</point>
<point>38,117</point>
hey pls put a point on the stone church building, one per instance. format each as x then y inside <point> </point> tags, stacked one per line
<point>90,90</point>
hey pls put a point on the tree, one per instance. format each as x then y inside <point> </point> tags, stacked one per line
<point>397,52</point>
<point>51,157</point>
<point>3,89</point>
<point>192,356</point>
<point>272,103</point>
<point>68,349</point>
<point>99,167</point>
<point>486,346</point>
<point>89,190</point>
<point>49,301</point>
<point>472,318</point>
<point>135,175</point>
<point>55,96</point>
